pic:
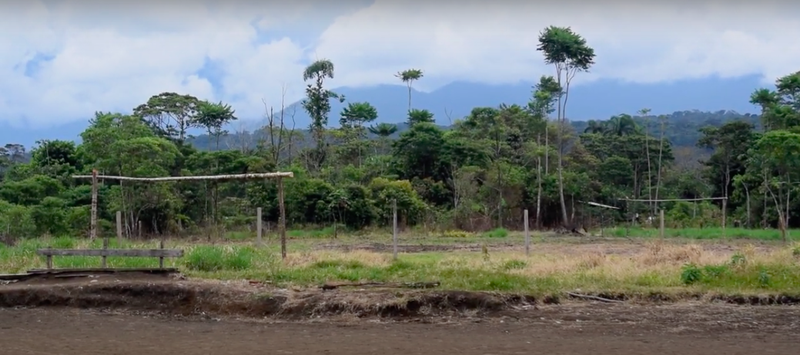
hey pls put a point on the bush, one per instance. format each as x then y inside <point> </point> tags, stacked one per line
<point>496,233</point>
<point>213,258</point>
<point>691,274</point>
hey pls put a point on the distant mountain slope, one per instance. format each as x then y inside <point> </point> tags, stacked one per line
<point>681,129</point>
<point>597,100</point>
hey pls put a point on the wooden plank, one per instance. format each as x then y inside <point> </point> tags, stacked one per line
<point>154,253</point>
<point>184,178</point>
<point>38,272</point>
<point>14,277</point>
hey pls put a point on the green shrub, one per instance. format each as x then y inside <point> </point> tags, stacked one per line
<point>496,233</point>
<point>690,274</point>
<point>213,258</point>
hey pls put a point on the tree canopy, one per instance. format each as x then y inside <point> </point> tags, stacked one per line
<point>479,173</point>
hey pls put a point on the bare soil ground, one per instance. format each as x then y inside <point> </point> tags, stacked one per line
<point>136,314</point>
<point>564,329</point>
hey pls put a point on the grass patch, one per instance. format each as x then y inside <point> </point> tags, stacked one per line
<point>703,233</point>
<point>311,234</point>
<point>661,267</point>
<point>496,233</point>
<point>209,258</point>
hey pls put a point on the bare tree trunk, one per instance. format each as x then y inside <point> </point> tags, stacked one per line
<point>747,195</point>
<point>546,147</point>
<point>788,199</point>
<point>764,211</point>
<point>539,189</point>
<point>649,171</point>
<point>409,96</point>
<point>660,155</point>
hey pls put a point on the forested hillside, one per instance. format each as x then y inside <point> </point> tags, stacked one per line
<point>479,173</point>
<point>681,128</point>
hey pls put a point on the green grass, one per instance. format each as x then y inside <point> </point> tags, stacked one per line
<point>703,233</point>
<point>663,268</point>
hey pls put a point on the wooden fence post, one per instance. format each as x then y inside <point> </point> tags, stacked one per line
<point>282,224</point>
<point>93,221</point>
<point>661,221</point>
<point>724,215</point>
<point>161,259</point>
<point>258,226</point>
<point>527,236</point>
<point>394,228</point>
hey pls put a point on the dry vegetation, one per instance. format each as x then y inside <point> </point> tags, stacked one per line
<point>629,267</point>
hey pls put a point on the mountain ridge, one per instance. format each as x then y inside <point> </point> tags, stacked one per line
<point>597,100</point>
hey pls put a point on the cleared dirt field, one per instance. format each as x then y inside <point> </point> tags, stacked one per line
<point>565,329</point>
<point>145,314</point>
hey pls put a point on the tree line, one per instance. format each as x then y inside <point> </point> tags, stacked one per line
<point>478,173</point>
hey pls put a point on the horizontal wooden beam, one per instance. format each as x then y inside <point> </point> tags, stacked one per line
<point>154,253</point>
<point>80,271</point>
<point>675,199</point>
<point>185,178</point>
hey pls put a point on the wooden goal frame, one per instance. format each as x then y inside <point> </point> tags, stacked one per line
<point>254,176</point>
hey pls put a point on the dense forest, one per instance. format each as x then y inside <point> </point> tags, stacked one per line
<point>477,173</point>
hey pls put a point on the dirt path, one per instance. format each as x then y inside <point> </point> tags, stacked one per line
<point>557,330</point>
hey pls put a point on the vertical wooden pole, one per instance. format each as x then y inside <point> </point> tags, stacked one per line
<point>105,247</point>
<point>93,221</point>
<point>527,236</point>
<point>119,228</point>
<point>258,226</point>
<point>139,228</point>
<point>661,221</point>
<point>394,228</point>
<point>724,214</point>
<point>161,259</point>
<point>49,261</point>
<point>282,222</point>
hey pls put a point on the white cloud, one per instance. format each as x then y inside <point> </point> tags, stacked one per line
<point>112,56</point>
<point>646,41</point>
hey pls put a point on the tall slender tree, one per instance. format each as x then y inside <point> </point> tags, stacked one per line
<point>317,104</point>
<point>569,53</point>
<point>409,76</point>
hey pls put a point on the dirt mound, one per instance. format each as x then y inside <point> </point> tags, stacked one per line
<point>167,295</point>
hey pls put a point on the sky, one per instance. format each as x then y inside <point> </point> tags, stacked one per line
<point>64,60</point>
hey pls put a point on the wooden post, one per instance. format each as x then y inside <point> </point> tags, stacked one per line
<point>105,247</point>
<point>282,222</point>
<point>394,228</point>
<point>161,259</point>
<point>661,221</point>
<point>93,221</point>
<point>49,261</point>
<point>258,227</point>
<point>139,228</point>
<point>527,236</point>
<point>119,228</point>
<point>724,214</point>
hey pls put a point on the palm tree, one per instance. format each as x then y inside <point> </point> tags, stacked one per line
<point>419,116</point>
<point>595,127</point>
<point>383,131</point>
<point>621,125</point>
<point>409,76</point>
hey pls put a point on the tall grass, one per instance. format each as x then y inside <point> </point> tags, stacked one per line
<point>703,233</point>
